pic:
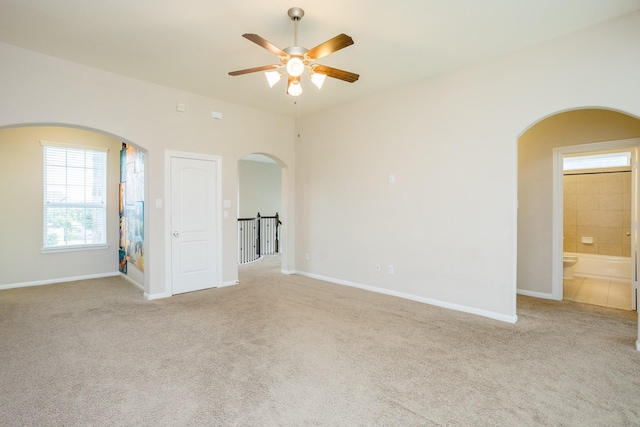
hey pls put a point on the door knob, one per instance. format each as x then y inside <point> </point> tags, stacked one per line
<point>176,234</point>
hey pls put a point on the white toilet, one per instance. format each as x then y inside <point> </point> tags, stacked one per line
<point>567,262</point>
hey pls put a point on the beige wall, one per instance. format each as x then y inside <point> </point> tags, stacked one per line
<point>535,184</point>
<point>260,188</point>
<point>448,223</point>
<point>40,89</point>
<point>597,205</point>
<point>21,210</point>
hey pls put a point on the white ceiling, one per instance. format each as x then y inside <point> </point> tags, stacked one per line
<point>193,44</point>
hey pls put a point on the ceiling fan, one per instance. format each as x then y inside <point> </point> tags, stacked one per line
<point>297,59</point>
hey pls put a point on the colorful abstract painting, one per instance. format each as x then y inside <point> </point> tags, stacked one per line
<point>132,205</point>
<point>123,261</point>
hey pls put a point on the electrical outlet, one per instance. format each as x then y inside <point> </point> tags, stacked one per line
<point>378,268</point>
<point>390,269</point>
<point>306,256</point>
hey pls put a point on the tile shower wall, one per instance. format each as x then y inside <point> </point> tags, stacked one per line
<point>598,205</point>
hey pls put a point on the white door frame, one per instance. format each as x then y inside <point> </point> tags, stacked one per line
<point>168,155</point>
<point>633,145</point>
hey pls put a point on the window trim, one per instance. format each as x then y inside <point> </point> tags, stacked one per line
<point>74,248</point>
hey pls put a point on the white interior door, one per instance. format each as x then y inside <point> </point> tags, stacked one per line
<point>194,236</point>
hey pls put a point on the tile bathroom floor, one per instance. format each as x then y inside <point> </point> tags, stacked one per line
<point>612,293</point>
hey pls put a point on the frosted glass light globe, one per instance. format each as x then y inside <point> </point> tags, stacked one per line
<point>295,67</point>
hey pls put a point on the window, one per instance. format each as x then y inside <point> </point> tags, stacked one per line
<point>597,161</point>
<point>75,205</point>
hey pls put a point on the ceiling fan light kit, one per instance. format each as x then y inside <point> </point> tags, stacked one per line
<point>318,79</point>
<point>295,67</point>
<point>273,77</point>
<point>297,59</point>
<point>294,88</point>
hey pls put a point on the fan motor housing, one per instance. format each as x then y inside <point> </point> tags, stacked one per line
<point>296,51</point>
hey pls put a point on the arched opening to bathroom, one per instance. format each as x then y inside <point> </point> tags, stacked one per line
<point>542,217</point>
<point>22,167</point>
<point>261,208</point>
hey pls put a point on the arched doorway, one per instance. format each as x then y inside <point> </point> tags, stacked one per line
<point>261,179</point>
<point>539,265</point>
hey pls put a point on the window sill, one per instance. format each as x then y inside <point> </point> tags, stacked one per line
<point>73,248</point>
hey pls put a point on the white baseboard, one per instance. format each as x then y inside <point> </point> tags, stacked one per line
<point>535,294</point>
<point>61,280</point>
<point>151,297</point>
<point>229,283</point>
<point>161,295</point>
<point>437,303</point>
<point>133,282</point>
<point>638,345</point>
<point>289,272</point>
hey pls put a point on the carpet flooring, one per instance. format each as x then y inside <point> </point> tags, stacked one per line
<point>281,350</point>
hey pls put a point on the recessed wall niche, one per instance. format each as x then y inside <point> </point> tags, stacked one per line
<point>131,207</point>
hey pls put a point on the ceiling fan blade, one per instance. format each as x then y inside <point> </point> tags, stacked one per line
<point>265,44</point>
<point>254,70</point>
<point>336,73</point>
<point>338,42</point>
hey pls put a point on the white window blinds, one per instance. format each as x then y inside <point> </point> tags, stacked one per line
<point>75,204</point>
